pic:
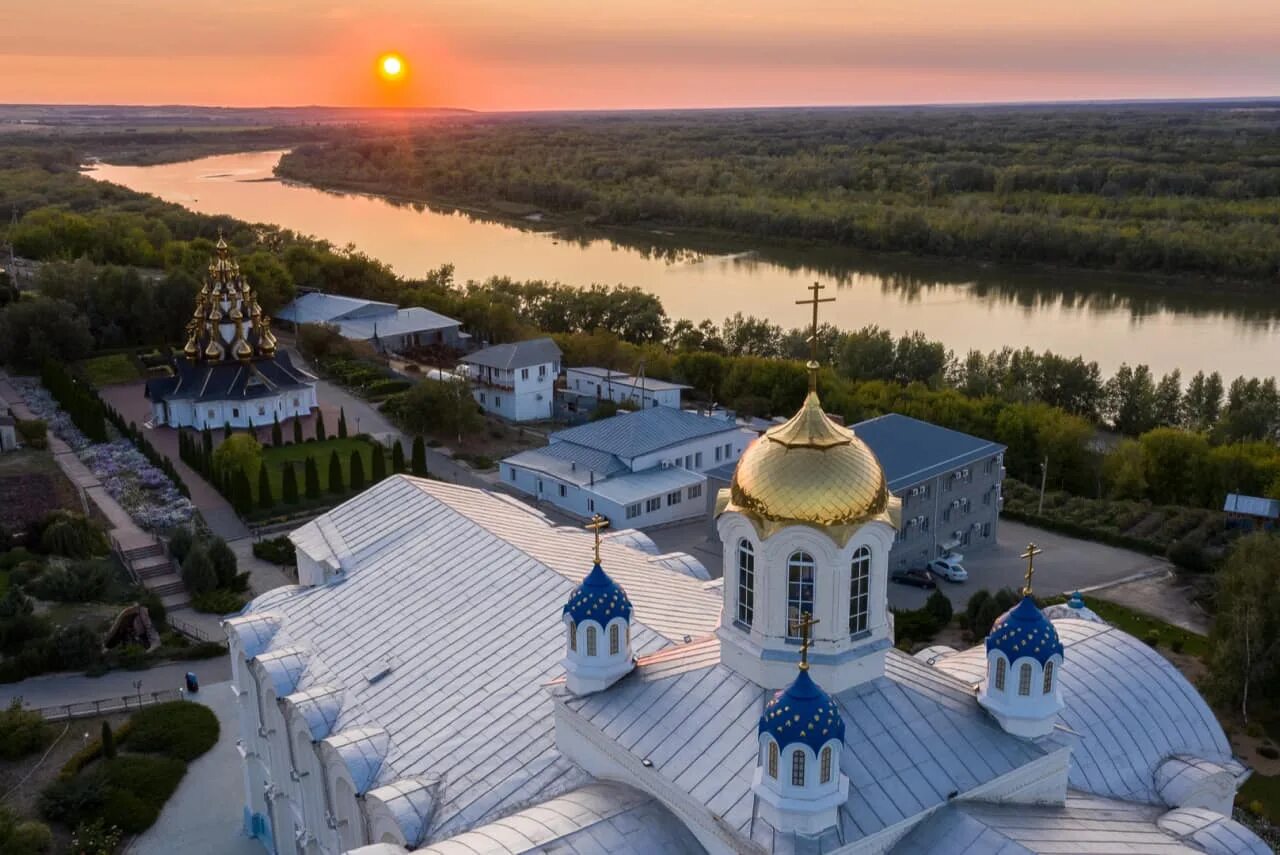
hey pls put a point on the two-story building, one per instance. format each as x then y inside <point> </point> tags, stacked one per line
<point>515,381</point>
<point>948,481</point>
<point>588,385</point>
<point>638,469</point>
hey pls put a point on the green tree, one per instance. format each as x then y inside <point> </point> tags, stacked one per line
<point>1168,403</point>
<point>34,331</point>
<point>108,742</point>
<point>265,499</point>
<point>240,453</point>
<point>223,559</point>
<point>1174,466</point>
<point>311,474</point>
<point>335,473</point>
<point>289,485</point>
<point>397,458</point>
<point>356,468</point>
<point>379,464</point>
<point>1131,400</point>
<point>198,573</point>
<point>1202,404</point>
<point>226,431</point>
<point>277,436</point>
<point>1246,626</point>
<point>419,464</point>
<point>432,406</point>
<point>241,493</point>
<point>320,426</point>
<point>342,423</point>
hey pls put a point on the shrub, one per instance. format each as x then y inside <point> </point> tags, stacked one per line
<point>15,557</point>
<point>224,562</point>
<point>180,542</point>
<point>71,535</point>
<point>108,742</point>
<point>22,732</point>
<point>89,753</point>
<point>73,799</point>
<point>277,550</point>
<point>939,607</point>
<point>74,646</point>
<point>203,650</point>
<point>155,608</point>
<point>1176,644</point>
<point>198,572</point>
<point>34,432</point>
<point>178,729</point>
<point>96,838</point>
<point>81,582</point>
<point>23,837</point>
<point>219,601</point>
<point>1189,557</point>
<point>1152,638</point>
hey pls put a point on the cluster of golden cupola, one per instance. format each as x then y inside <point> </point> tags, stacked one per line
<point>226,300</point>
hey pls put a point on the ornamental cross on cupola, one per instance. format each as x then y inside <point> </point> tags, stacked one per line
<point>804,625</point>
<point>596,525</point>
<point>813,332</point>
<point>1030,555</point>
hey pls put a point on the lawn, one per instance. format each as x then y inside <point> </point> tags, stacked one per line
<point>110,370</point>
<point>277,458</point>
<point>1141,626</point>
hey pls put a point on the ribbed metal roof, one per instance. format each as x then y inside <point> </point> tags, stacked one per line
<point>319,308</point>
<point>911,450</point>
<point>569,462</point>
<point>520,354</point>
<point>629,435</point>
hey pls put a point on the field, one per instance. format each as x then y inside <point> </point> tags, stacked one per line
<point>110,370</point>
<point>31,485</point>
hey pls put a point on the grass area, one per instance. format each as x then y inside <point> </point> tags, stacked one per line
<point>109,370</point>
<point>1264,789</point>
<point>277,458</point>
<point>1141,626</point>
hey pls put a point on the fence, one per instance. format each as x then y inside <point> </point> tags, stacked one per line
<point>191,631</point>
<point>106,706</point>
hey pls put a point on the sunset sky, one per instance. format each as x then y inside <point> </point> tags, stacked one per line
<point>555,54</point>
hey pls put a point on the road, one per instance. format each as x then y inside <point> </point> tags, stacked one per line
<point>57,689</point>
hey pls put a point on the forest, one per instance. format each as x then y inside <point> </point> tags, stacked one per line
<point>1170,189</point>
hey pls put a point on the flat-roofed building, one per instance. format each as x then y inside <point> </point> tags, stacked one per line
<point>587,385</point>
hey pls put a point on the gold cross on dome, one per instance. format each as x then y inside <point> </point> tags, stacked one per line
<point>597,523</point>
<point>805,624</point>
<point>813,333</point>
<point>1030,555</point>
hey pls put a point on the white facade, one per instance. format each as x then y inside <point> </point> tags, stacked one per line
<point>616,386</point>
<point>8,435</point>
<point>252,412</point>
<point>515,394</point>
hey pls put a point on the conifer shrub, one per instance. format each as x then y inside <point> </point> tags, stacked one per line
<point>419,463</point>
<point>342,423</point>
<point>357,471</point>
<point>320,435</point>
<point>379,464</point>
<point>397,458</point>
<point>265,499</point>
<point>297,430</point>
<point>312,476</point>
<point>179,729</point>
<point>335,473</point>
<point>289,485</point>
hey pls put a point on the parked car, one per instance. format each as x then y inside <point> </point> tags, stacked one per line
<point>915,578</point>
<point>949,568</point>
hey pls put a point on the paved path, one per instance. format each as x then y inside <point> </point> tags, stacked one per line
<point>204,816</point>
<point>56,689</point>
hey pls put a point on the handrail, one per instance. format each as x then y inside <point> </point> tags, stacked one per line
<point>189,630</point>
<point>106,706</point>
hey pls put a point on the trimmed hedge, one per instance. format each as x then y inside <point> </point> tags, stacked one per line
<point>179,729</point>
<point>89,753</point>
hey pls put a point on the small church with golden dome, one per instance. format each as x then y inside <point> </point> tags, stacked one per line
<point>232,371</point>
<point>455,673</point>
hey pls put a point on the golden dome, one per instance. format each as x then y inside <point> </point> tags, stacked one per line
<point>810,471</point>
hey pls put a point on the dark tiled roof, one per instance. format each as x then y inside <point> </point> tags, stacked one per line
<point>226,381</point>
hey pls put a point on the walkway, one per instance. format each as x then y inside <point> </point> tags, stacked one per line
<point>55,689</point>
<point>205,815</point>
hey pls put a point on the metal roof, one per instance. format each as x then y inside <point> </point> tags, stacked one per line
<point>520,354</point>
<point>619,378</point>
<point>443,584</point>
<point>629,435</point>
<point>911,450</point>
<point>1128,706</point>
<point>913,737</point>
<point>400,322</point>
<point>575,464</point>
<point>363,319</point>
<point>229,381</point>
<point>600,817</point>
<point>634,486</point>
<point>1253,506</point>
<point>320,308</point>
<point>1212,832</point>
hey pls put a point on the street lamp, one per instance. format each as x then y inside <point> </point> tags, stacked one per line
<point>137,687</point>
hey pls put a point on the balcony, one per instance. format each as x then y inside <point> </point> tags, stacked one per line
<point>493,384</point>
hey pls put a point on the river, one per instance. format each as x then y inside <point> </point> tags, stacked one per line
<point>1105,317</point>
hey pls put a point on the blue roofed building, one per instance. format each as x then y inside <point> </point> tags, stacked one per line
<point>638,469</point>
<point>384,325</point>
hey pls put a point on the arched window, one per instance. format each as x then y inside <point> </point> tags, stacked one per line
<point>1048,677</point>
<point>1024,679</point>
<point>614,640</point>
<point>826,765</point>
<point>1001,667</point>
<point>746,582</point>
<point>859,585</point>
<point>573,636</point>
<point>773,759</point>
<point>800,567</point>
<point>797,768</point>
<point>591,641</point>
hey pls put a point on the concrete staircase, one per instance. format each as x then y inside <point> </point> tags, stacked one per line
<point>149,563</point>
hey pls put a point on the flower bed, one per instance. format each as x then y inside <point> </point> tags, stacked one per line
<point>146,493</point>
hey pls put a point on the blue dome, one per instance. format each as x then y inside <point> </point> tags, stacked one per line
<point>1076,601</point>
<point>802,714</point>
<point>598,598</point>
<point>1025,631</point>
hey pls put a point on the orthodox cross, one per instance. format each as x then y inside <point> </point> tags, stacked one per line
<point>597,523</point>
<point>813,336</point>
<point>805,624</point>
<point>1030,555</point>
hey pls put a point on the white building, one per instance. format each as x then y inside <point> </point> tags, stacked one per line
<point>638,469</point>
<point>231,372</point>
<point>453,675</point>
<point>384,325</point>
<point>588,385</point>
<point>8,433</point>
<point>515,381</point>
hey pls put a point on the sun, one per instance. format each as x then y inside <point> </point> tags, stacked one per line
<point>391,66</point>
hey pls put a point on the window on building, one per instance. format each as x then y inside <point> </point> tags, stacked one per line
<point>728,450</point>
<point>539,486</point>
<point>688,461</point>
<point>773,759</point>
<point>719,451</point>
<point>695,491</point>
<point>262,411</point>
<point>633,511</point>
<point>562,490</point>
<point>542,371</point>
<point>1024,679</point>
<point>573,635</point>
<point>797,768</point>
<point>497,400</point>
<point>591,506</point>
<point>946,514</point>
<point>235,412</point>
<point>615,640</point>
<point>826,765</point>
<point>986,529</point>
<point>800,570</point>
<point>591,641</point>
<point>673,498</point>
<point>859,585</point>
<point>524,373</point>
<point>210,414</point>
<point>296,403</point>
<point>1001,667</point>
<point>697,457</point>
<point>654,504</point>
<point>1048,678</point>
<point>746,582</point>
<point>964,537</point>
<point>482,397</point>
<point>511,473</point>
<point>924,524</point>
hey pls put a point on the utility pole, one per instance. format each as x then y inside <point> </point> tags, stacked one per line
<point>1044,476</point>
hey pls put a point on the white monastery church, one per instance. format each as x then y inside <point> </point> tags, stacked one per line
<point>454,675</point>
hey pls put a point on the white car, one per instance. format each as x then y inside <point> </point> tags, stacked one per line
<point>949,568</point>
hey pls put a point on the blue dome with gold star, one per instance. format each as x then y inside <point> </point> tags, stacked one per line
<point>598,598</point>
<point>1025,631</point>
<point>802,713</point>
